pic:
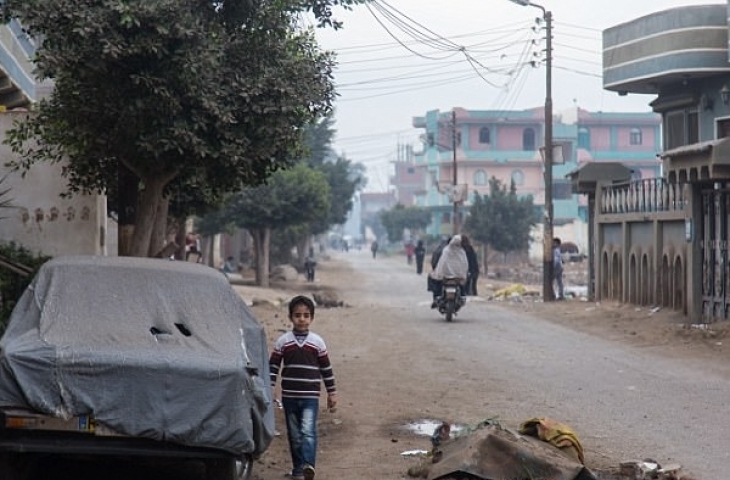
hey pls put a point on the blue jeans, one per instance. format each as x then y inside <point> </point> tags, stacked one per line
<point>558,277</point>
<point>301,430</point>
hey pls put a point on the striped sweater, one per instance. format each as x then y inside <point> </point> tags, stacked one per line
<point>305,365</point>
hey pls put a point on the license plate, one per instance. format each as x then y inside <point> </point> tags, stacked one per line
<point>86,423</point>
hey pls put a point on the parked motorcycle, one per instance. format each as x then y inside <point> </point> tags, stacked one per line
<point>451,299</point>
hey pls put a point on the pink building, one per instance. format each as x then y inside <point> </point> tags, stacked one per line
<point>506,145</point>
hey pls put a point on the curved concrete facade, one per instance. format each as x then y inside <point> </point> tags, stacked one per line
<point>665,47</point>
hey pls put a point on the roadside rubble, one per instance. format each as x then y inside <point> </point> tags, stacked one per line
<point>541,448</point>
<point>518,292</point>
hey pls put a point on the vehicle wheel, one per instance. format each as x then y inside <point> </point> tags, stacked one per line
<point>221,469</point>
<point>229,469</point>
<point>449,310</point>
<point>16,467</point>
<point>244,468</point>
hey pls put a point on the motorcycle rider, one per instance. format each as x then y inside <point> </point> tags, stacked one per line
<point>451,264</point>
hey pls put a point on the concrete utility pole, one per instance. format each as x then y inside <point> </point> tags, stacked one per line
<point>455,224</point>
<point>548,293</point>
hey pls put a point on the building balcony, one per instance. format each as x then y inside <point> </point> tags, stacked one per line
<point>666,47</point>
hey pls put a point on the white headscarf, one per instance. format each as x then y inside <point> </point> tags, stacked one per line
<point>453,262</point>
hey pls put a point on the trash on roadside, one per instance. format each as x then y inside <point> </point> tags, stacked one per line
<point>555,433</point>
<point>649,469</point>
<point>490,451</point>
<point>510,290</point>
<point>414,453</point>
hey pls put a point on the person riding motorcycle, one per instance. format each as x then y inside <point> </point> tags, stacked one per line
<point>452,264</point>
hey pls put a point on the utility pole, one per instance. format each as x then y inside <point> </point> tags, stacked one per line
<point>548,293</point>
<point>455,215</point>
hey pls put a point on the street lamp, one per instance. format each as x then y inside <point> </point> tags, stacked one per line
<point>548,294</point>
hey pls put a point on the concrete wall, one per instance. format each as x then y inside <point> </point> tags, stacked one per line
<point>641,250</point>
<point>40,219</point>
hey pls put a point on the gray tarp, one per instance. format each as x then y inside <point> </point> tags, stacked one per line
<point>151,348</point>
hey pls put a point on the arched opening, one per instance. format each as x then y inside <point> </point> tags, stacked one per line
<point>484,135</point>
<point>528,139</point>
<point>617,277</point>
<point>665,287</point>
<point>605,277</point>
<point>645,281</point>
<point>678,302</point>
<point>633,280</point>
<point>584,138</point>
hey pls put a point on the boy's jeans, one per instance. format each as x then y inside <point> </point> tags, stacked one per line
<point>558,274</point>
<point>301,429</point>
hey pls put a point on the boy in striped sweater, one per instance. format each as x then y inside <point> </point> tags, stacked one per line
<point>306,365</point>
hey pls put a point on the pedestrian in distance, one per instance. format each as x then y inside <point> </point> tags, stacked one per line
<point>470,288</point>
<point>309,264</point>
<point>420,253</point>
<point>409,252</point>
<point>374,248</point>
<point>558,269</point>
<point>300,357</point>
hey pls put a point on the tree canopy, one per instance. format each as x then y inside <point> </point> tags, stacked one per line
<point>501,219</point>
<point>400,218</point>
<point>205,96</point>
<point>290,198</point>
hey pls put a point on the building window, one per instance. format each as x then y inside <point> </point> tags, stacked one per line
<point>518,177</point>
<point>480,177</point>
<point>484,135</point>
<point>635,137</point>
<point>584,138</point>
<point>681,127</point>
<point>528,139</point>
<point>562,190</point>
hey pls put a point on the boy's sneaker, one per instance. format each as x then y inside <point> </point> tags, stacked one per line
<point>294,476</point>
<point>308,472</point>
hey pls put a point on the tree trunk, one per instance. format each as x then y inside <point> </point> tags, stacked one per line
<point>485,261</point>
<point>126,208</point>
<point>303,244</point>
<point>261,239</point>
<point>180,238</point>
<point>159,229</point>
<point>150,198</point>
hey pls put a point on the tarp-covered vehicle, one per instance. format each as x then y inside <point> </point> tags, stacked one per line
<point>132,358</point>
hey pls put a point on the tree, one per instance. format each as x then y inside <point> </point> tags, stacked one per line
<point>501,219</point>
<point>289,198</point>
<point>344,178</point>
<point>151,97</point>
<point>400,218</point>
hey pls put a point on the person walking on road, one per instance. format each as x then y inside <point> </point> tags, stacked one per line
<point>470,288</point>
<point>558,268</point>
<point>374,248</point>
<point>420,253</point>
<point>306,364</point>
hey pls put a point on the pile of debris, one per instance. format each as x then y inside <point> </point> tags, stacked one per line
<point>541,448</point>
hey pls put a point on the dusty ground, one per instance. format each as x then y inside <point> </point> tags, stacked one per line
<point>362,440</point>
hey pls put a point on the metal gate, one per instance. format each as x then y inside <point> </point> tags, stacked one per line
<point>714,242</point>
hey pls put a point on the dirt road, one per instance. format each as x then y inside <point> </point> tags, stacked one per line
<point>398,362</point>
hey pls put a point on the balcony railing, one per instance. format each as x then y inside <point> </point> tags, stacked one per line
<point>639,196</point>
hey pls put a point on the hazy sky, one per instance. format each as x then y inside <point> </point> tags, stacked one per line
<point>401,58</point>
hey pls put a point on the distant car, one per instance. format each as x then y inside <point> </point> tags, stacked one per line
<point>133,358</point>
